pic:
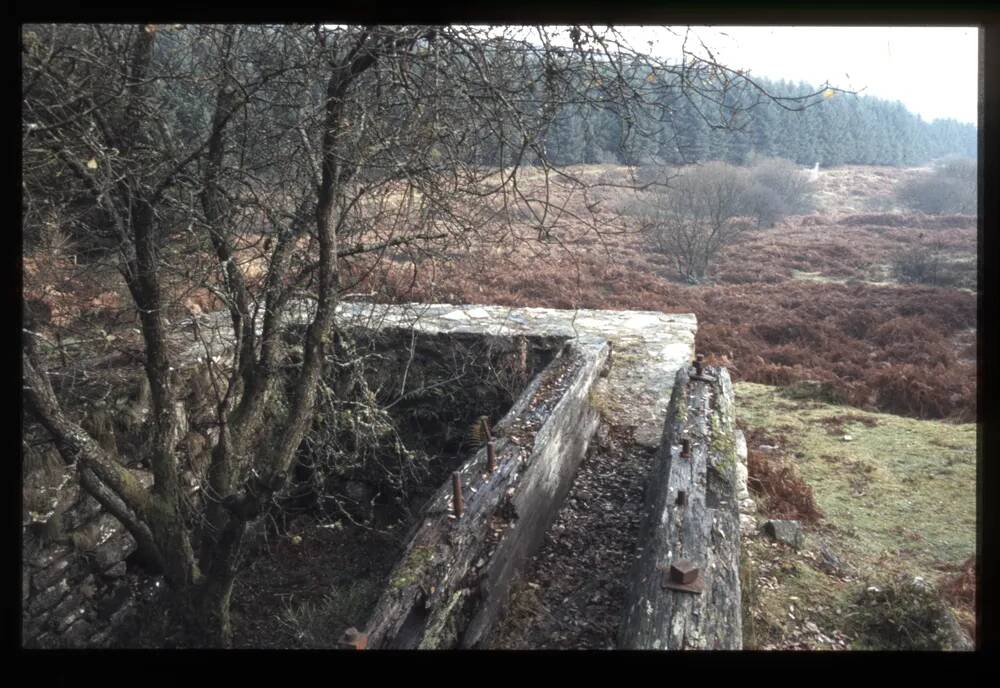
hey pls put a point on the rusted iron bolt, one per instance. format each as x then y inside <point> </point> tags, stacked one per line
<point>681,498</point>
<point>491,457</point>
<point>456,486</point>
<point>683,571</point>
<point>698,361</point>
<point>685,448</point>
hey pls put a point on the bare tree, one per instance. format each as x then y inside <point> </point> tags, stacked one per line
<point>257,165</point>
<point>702,212</point>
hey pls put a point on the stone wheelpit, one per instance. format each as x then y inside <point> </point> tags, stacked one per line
<point>455,572</point>
<point>453,586</point>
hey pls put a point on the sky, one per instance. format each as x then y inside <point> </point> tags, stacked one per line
<point>933,71</point>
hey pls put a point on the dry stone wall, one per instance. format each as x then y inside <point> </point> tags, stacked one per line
<point>75,587</point>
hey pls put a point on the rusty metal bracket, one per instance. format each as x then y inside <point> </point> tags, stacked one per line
<point>683,576</point>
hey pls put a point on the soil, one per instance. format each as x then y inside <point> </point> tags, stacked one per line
<point>303,588</point>
<point>573,591</point>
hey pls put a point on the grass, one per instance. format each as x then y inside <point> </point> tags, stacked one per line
<point>902,486</point>
<point>898,500</point>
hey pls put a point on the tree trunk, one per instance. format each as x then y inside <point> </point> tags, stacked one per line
<point>203,610</point>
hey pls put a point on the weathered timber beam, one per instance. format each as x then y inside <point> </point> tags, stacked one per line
<point>701,527</point>
<point>455,573</point>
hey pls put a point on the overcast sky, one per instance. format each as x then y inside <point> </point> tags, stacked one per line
<point>932,70</point>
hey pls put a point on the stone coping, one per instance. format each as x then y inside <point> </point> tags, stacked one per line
<point>648,347</point>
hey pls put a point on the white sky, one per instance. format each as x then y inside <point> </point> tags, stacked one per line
<point>933,71</point>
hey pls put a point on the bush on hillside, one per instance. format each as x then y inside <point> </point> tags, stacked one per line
<point>925,264</point>
<point>701,213</point>
<point>778,188</point>
<point>903,615</point>
<point>949,188</point>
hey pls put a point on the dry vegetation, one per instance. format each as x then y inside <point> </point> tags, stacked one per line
<point>811,305</point>
<point>814,298</point>
<point>811,299</point>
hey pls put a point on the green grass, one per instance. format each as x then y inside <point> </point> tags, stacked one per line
<point>898,500</point>
<point>904,488</point>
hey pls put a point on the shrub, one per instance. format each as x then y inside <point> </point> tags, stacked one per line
<point>698,216</point>
<point>778,188</point>
<point>902,615</point>
<point>950,188</point>
<point>924,264</point>
<point>785,493</point>
<point>960,591</point>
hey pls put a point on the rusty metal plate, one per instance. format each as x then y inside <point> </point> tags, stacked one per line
<point>697,586</point>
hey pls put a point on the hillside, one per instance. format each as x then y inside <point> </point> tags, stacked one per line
<point>807,316</point>
<point>813,298</point>
<point>822,339</point>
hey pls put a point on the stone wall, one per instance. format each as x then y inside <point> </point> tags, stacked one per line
<point>76,589</point>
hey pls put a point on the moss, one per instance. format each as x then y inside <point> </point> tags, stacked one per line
<point>722,447</point>
<point>678,407</point>
<point>748,601</point>
<point>411,569</point>
<point>601,401</point>
<point>442,632</point>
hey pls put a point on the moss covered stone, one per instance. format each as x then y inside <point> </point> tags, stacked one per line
<point>411,569</point>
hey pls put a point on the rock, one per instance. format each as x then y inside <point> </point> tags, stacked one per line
<point>100,639</point>
<point>741,477</point>
<point>126,611</point>
<point>82,512</point>
<point>77,634</point>
<point>785,531</point>
<point>117,571</point>
<point>358,491</point>
<point>144,477</point>
<point>113,551</point>
<point>67,612</point>
<point>48,598</point>
<point>47,555</point>
<point>113,603</point>
<point>88,588</point>
<point>740,441</point>
<point>830,562</point>
<point>47,578</point>
<point>748,524</point>
<point>43,640</point>
<point>748,506</point>
<point>847,438</point>
<point>107,527</point>
<point>958,639</point>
